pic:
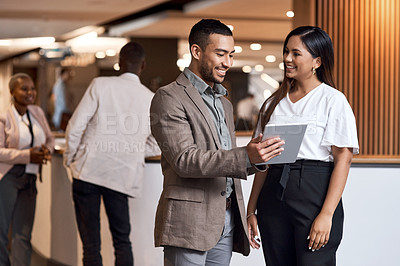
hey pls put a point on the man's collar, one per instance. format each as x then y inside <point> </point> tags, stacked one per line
<point>201,85</point>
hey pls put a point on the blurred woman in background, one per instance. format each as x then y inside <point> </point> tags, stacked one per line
<point>26,143</point>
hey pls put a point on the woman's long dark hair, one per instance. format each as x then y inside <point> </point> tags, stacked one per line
<point>318,44</point>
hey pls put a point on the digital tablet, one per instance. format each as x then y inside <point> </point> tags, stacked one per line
<point>292,134</point>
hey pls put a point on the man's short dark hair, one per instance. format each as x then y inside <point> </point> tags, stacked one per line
<point>132,52</point>
<point>200,32</point>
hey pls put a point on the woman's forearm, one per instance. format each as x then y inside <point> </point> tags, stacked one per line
<point>342,159</point>
<point>258,183</point>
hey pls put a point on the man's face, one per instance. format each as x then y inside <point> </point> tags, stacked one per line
<point>216,59</point>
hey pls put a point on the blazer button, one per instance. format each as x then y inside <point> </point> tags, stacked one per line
<point>223,193</point>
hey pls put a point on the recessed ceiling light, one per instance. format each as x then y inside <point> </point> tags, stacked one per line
<point>111,52</point>
<point>290,14</point>
<point>270,58</point>
<point>238,49</point>
<point>282,65</point>
<point>116,67</point>
<point>259,68</point>
<point>255,46</point>
<point>100,55</point>
<point>230,27</point>
<point>246,69</point>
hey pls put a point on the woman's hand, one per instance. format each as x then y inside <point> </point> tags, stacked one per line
<point>320,231</point>
<point>321,227</point>
<point>39,155</point>
<point>253,233</point>
<point>47,153</point>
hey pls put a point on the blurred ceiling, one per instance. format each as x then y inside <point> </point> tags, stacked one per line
<point>260,21</point>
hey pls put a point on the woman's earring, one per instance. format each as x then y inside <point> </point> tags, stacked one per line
<point>313,71</point>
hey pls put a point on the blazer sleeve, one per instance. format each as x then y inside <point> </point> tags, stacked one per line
<point>172,128</point>
<point>11,155</point>
<point>46,128</point>
<point>78,123</point>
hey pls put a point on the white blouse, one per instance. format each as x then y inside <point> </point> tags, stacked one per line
<point>25,137</point>
<point>330,120</point>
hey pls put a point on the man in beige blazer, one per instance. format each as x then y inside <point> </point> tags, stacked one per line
<point>200,217</point>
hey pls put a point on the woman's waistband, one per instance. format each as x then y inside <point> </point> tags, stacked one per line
<point>300,163</point>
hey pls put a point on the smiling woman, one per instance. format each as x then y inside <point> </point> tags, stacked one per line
<point>299,206</point>
<point>23,92</point>
<point>25,145</point>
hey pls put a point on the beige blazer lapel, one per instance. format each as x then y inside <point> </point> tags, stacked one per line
<point>14,141</point>
<point>195,96</point>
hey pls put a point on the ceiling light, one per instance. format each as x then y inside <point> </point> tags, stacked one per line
<point>230,27</point>
<point>116,67</point>
<point>5,42</point>
<point>290,14</point>
<point>38,41</point>
<point>255,46</point>
<point>270,58</point>
<point>282,66</point>
<point>100,55</point>
<point>82,31</point>
<point>269,80</point>
<point>83,40</point>
<point>238,49</point>
<point>27,42</point>
<point>89,43</point>
<point>111,52</point>
<point>246,69</point>
<point>259,68</point>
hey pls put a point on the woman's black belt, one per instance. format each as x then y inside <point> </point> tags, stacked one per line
<point>298,165</point>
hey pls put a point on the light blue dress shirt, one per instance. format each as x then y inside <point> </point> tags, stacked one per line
<point>211,97</point>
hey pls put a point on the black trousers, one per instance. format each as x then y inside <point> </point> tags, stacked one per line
<point>17,209</point>
<point>287,211</point>
<point>87,199</point>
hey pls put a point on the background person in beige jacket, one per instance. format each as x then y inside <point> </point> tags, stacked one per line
<point>107,139</point>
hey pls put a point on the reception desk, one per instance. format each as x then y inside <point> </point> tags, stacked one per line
<point>55,234</point>
<point>370,200</point>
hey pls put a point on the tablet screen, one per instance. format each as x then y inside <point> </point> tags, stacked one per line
<point>292,134</point>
